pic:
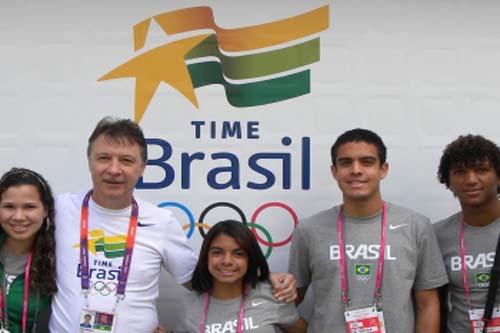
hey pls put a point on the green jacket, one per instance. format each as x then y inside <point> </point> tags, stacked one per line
<point>15,302</point>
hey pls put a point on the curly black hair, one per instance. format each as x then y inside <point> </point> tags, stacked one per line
<point>466,151</point>
<point>43,267</point>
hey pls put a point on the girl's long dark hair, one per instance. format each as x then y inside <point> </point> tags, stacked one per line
<point>43,267</point>
<point>258,270</point>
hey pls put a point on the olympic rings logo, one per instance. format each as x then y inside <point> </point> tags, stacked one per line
<point>105,288</point>
<point>253,225</point>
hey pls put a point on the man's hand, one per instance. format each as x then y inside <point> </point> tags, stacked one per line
<point>284,287</point>
<point>160,329</point>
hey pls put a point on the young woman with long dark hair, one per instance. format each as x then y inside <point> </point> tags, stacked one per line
<point>27,249</point>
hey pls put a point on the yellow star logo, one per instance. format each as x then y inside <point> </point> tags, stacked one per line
<point>149,70</point>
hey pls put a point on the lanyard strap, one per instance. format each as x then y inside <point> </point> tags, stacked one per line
<point>241,312</point>
<point>4,315</point>
<point>343,264</point>
<point>465,280</point>
<point>84,251</point>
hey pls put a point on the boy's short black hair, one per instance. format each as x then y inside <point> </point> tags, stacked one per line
<point>360,135</point>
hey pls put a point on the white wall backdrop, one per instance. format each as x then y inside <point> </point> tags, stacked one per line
<point>419,73</point>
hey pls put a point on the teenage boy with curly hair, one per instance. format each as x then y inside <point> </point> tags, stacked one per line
<point>470,169</point>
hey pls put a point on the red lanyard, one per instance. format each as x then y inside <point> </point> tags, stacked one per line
<point>84,251</point>
<point>241,312</point>
<point>343,264</point>
<point>4,316</point>
<point>464,268</point>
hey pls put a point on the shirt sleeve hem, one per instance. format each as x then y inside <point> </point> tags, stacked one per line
<point>433,284</point>
<point>185,278</point>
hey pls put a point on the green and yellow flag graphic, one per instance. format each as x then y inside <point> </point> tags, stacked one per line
<point>256,65</point>
<point>110,246</point>
<point>365,269</point>
<point>482,278</point>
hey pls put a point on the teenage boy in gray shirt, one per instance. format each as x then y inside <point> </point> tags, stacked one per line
<point>470,168</point>
<point>412,258</point>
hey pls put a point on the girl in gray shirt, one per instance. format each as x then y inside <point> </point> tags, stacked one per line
<point>231,292</point>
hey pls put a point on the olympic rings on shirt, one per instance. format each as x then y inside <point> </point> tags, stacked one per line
<point>268,241</point>
<point>105,288</point>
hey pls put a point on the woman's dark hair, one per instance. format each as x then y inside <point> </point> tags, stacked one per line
<point>257,270</point>
<point>43,267</point>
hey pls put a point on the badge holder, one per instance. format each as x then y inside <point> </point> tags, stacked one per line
<point>95,321</point>
<point>365,320</point>
<point>477,324</point>
<point>92,321</point>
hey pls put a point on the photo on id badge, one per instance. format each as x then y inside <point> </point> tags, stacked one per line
<point>96,322</point>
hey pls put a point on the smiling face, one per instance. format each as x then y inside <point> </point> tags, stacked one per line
<point>115,167</point>
<point>227,262</point>
<point>21,215</point>
<point>475,185</point>
<point>358,171</point>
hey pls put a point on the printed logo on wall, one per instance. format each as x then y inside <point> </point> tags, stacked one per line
<point>257,65</point>
<point>273,66</point>
<point>253,225</point>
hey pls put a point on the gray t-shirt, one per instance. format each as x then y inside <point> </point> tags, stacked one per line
<point>262,314</point>
<point>480,254</point>
<point>412,261</point>
<point>13,265</point>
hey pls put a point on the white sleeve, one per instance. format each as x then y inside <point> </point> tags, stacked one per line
<point>178,256</point>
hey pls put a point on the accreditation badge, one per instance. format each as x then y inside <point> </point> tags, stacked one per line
<point>476,320</point>
<point>364,320</point>
<point>92,321</point>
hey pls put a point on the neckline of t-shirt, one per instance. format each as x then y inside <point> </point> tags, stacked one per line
<point>118,212</point>
<point>7,259</point>
<point>364,219</point>
<point>225,301</point>
<point>480,229</point>
<point>4,253</point>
